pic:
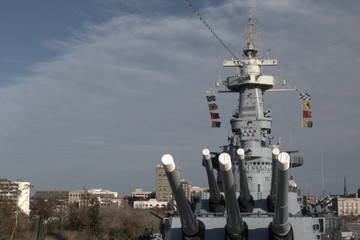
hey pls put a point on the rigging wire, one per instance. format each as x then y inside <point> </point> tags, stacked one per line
<point>210,29</point>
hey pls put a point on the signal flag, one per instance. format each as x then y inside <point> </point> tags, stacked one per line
<point>211,98</point>
<point>306,105</point>
<point>213,106</point>
<point>214,115</point>
<point>306,114</point>
<point>306,123</point>
<point>215,124</point>
<point>305,96</point>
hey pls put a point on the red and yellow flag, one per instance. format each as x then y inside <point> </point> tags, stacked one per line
<point>306,114</point>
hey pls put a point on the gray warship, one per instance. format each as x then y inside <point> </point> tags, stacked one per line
<point>251,195</point>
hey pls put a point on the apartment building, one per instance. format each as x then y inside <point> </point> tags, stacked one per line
<point>347,206</point>
<point>163,190</point>
<point>18,192</point>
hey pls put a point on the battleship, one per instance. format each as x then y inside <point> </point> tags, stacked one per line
<point>251,195</point>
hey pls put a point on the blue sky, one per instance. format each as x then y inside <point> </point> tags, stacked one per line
<point>94,92</point>
<point>26,27</point>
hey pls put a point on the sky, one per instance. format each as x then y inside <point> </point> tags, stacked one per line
<point>94,92</point>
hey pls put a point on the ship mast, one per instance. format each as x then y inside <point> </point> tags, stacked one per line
<point>250,31</point>
<point>250,125</point>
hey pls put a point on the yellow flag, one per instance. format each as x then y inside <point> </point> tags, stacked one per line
<point>304,123</point>
<point>306,105</point>
<point>215,124</point>
<point>213,106</point>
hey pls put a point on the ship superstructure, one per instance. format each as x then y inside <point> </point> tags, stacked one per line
<point>250,196</point>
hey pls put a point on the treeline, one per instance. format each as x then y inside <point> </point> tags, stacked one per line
<point>88,221</point>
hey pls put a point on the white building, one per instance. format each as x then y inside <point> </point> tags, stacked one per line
<point>348,206</point>
<point>105,193</point>
<point>152,203</point>
<point>24,197</point>
<point>18,192</point>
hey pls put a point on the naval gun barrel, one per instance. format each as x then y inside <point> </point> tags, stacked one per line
<point>191,228</point>
<point>272,197</point>
<point>281,227</point>
<point>216,201</point>
<point>235,227</point>
<point>245,199</point>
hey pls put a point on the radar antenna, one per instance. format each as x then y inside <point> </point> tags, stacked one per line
<point>210,29</point>
<point>251,35</point>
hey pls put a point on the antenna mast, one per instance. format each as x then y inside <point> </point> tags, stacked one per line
<point>250,34</point>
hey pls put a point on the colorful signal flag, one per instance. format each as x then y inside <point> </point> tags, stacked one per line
<point>215,124</point>
<point>214,115</point>
<point>213,106</point>
<point>306,114</point>
<point>306,123</point>
<point>306,105</point>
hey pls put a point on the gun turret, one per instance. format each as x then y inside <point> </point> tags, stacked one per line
<point>235,227</point>
<point>216,201</point>
<point>281,228</point>
<point>191,228</point>
<point>272,197</point>
<point>246,202</point>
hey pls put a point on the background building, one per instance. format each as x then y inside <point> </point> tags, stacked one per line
<point>24,197</point>
<point>18,192</point>
<point>98,192</point>
<point>196,190</point>
<point>77,196</point>
<point>163,189</point>
<point>139,193</point>
<point>53,194</point>
<point>187,187</point>
<point>152,203</point>
<point>347,206</point>
<point>106,198</point>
